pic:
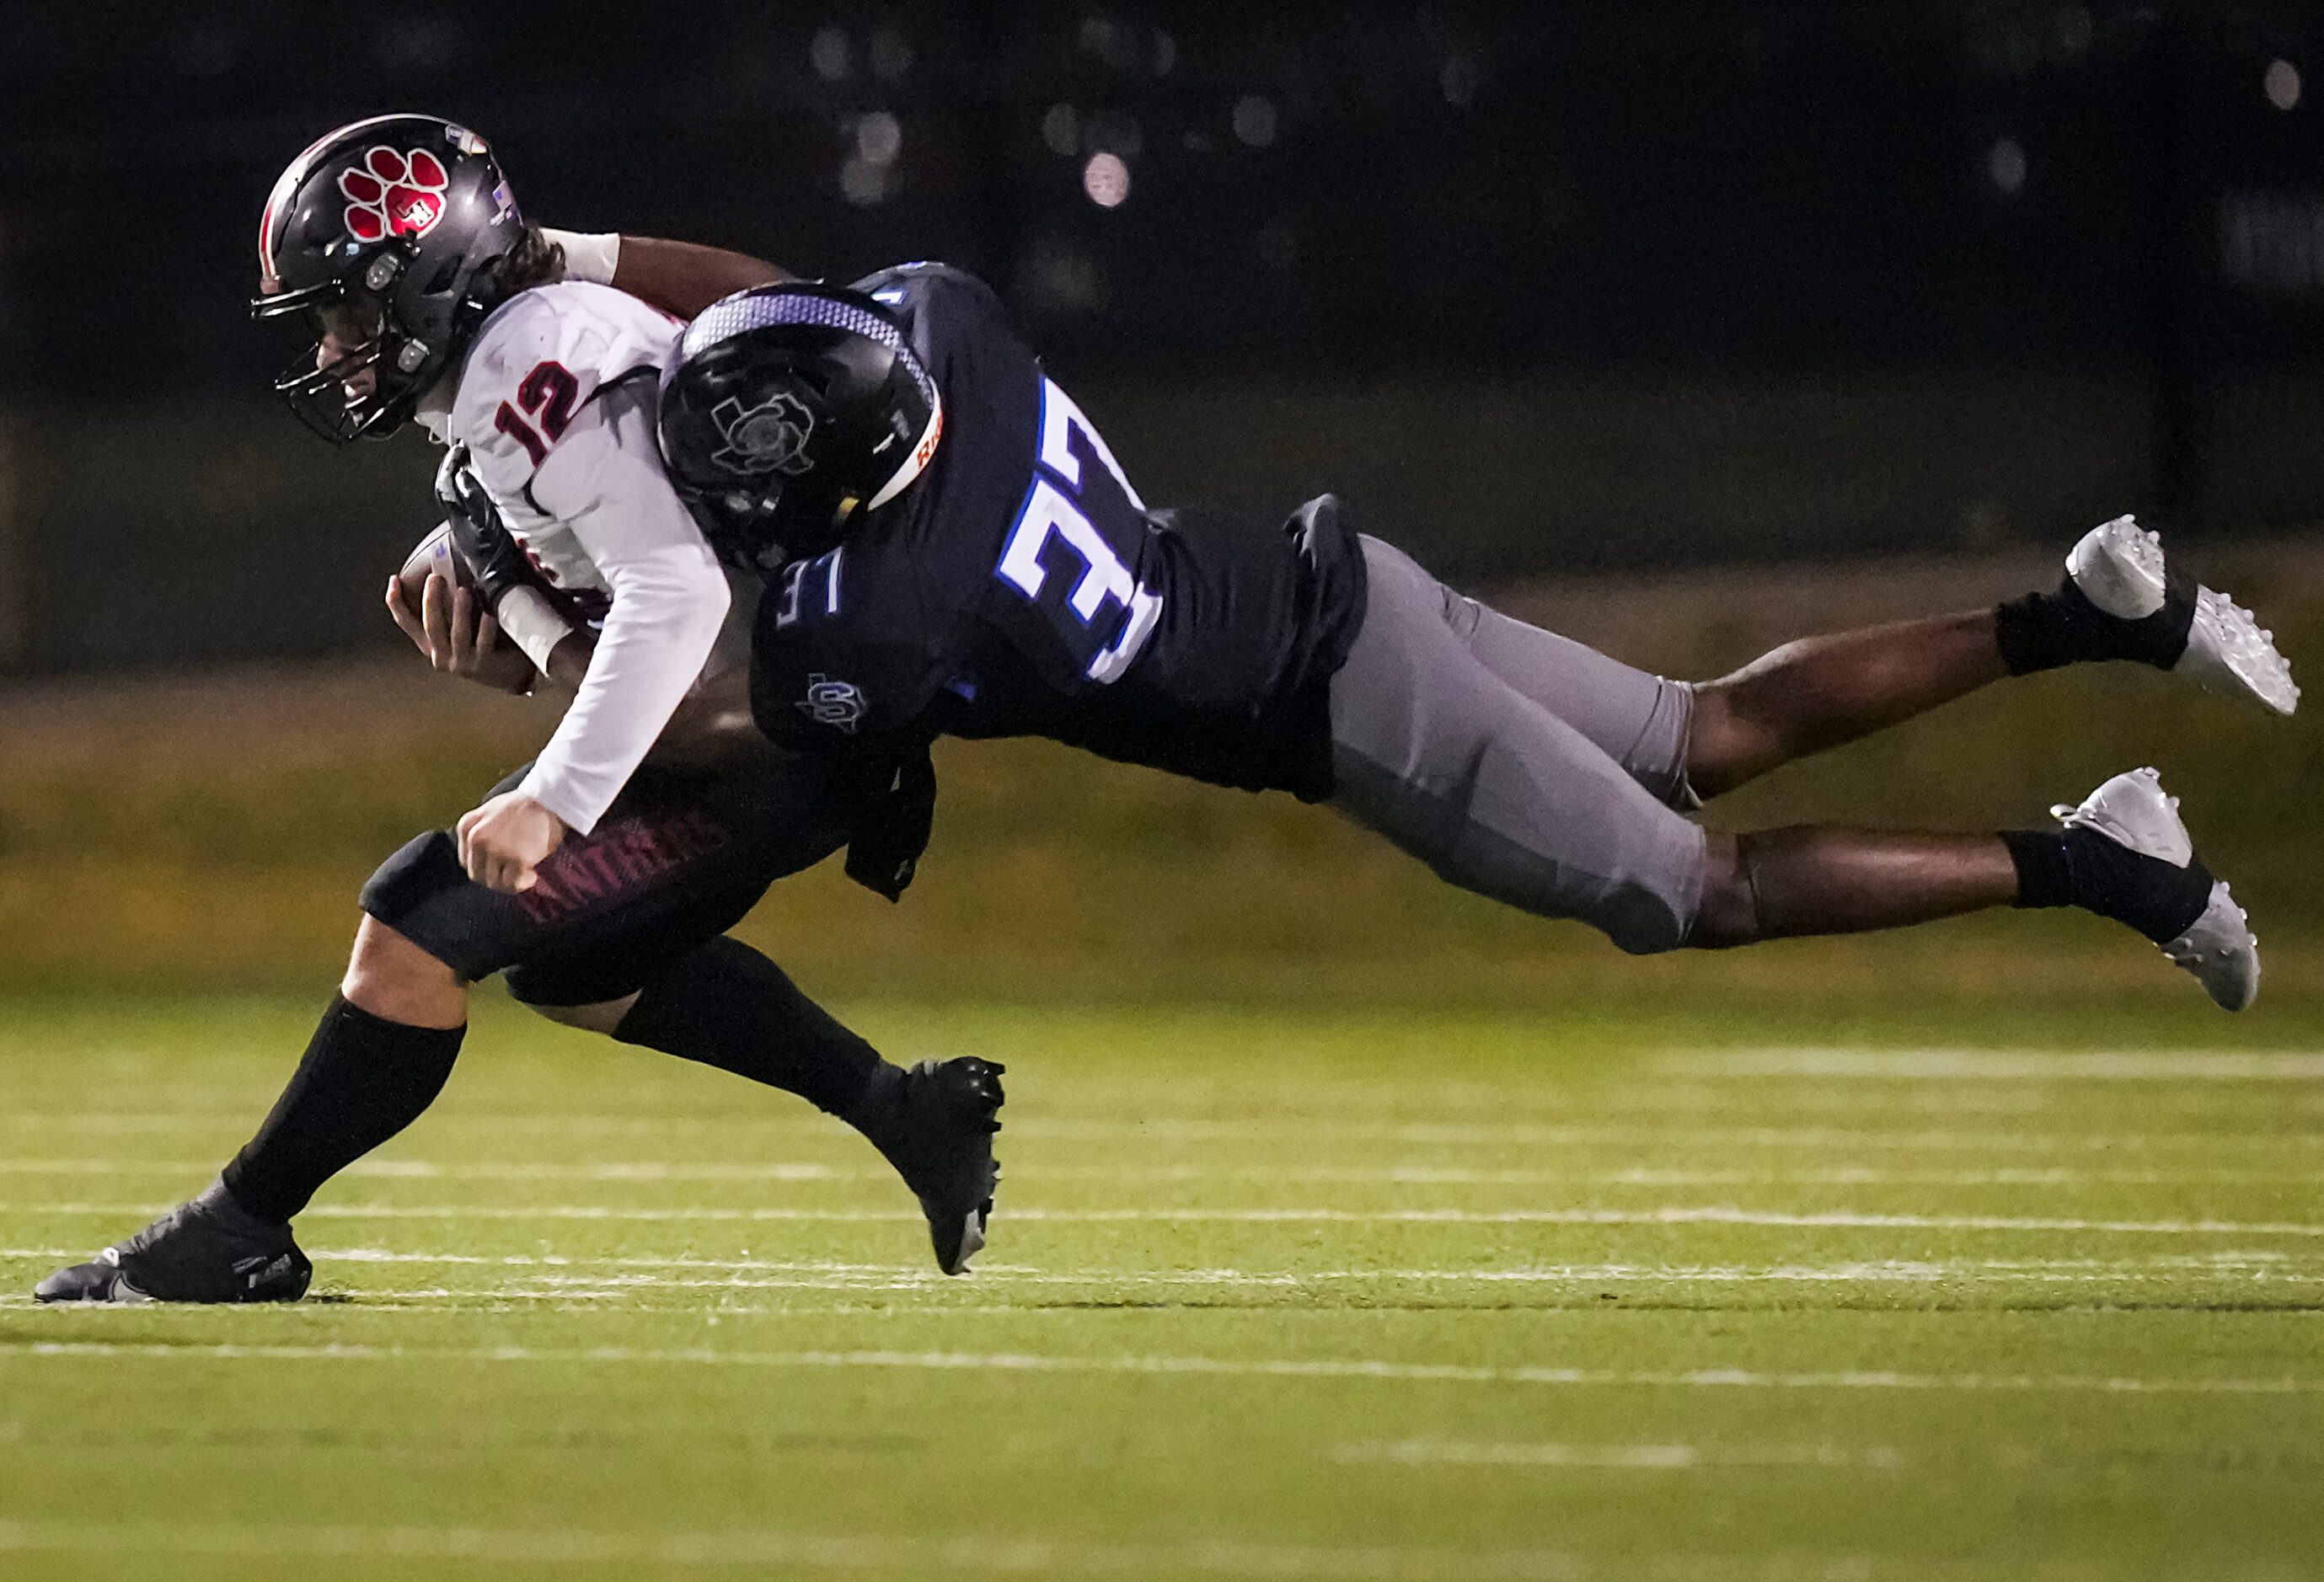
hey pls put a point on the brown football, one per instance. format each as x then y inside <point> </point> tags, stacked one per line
<point>506,665</point>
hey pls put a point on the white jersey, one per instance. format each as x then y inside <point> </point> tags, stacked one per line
<point>556,403</point>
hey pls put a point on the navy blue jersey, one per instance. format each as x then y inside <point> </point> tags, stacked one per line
<point>1021,587</point>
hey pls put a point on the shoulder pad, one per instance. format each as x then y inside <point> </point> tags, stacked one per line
<point>540,358</point>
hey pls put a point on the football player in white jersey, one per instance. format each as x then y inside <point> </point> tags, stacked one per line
<point>610,872</point>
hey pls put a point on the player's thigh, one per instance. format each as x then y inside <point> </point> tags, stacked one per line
<point>682,856</point>
<point>1636,717</point>
<point>1497,793</point>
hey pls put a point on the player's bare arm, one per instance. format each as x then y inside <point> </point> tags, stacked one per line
<point>683,277</point>
<point>678,278</point>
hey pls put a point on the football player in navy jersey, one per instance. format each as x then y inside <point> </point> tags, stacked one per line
<point>961,553</point>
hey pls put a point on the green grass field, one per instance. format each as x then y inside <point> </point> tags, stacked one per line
<point>1700,1290</point>
<point>1441,1244</point>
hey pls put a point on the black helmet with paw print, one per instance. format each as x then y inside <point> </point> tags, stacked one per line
<point>383,236</point>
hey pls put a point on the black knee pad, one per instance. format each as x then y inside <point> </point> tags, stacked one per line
<point>424,895</point>
<point>424,867</point>
<point>679,859</point>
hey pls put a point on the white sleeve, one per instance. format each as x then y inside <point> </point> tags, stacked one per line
<point>669,598</point>
<point>589,256</point>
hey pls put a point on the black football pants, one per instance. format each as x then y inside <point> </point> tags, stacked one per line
<point>680,858</point>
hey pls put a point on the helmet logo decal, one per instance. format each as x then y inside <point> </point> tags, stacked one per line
<point>770,437</point>
<point>392,194</point>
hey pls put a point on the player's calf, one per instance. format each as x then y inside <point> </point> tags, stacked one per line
<point>1820,878</point>
<point>2123,853</point>
<point>396,980</point>
<point>725,1005</point>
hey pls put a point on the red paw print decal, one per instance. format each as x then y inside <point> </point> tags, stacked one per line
<point>394,195</point>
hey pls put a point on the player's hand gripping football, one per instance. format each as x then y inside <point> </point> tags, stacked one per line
<point>503,843</point>
<point>457,633</point>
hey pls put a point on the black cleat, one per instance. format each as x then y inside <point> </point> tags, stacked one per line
<point>940,1136</point>
<point>210,1249</point>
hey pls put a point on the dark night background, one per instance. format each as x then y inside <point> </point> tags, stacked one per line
<point>1539,289</point>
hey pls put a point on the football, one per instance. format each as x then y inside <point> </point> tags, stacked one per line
<point>506,665</point>
<point>434,557</point>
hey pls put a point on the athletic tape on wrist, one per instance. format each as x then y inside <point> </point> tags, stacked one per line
<point>532,623</point>
<point>589,256</point>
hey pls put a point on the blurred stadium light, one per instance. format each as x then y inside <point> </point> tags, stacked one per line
<point>1540,286</point>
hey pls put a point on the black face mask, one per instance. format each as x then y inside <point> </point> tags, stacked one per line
<point>741,520</point>
<point>763,525</point>
<point>316,392</point>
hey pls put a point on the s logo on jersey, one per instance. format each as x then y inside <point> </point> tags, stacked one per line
<point>394,195</point>
<point>769,437</point>
<point>836,704</point>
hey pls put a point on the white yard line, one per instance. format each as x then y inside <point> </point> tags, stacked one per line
<point>650,1172</point>
<point>536,1277</point>
<point>1169,1130</point>
<point>783,1552</point>
<point>2048,1065</point>
<point>2257,1270</point>
<point>778,1553</point>
<point>1625,1458</point>
<point>692,1290</point>
<point>1223,1367</point>
<point>649,1271</point>
<point>1672,1214</point>
<point>630,1285</point>
<point>2274,1264</point>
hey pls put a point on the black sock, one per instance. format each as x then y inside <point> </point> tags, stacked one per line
<point>362,1080</point>
<point>2042,632</point>
<point>727,1005</point>
<point>2081,868</point>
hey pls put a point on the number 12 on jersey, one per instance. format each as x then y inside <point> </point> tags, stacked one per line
<point>1053,510</point>
<point>547,392</point>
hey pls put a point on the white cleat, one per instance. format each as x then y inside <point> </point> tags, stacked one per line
<point>2219,949</point>
<point>2119,567</point>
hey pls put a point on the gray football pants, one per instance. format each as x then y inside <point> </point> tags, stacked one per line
<point>1516,763</point>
